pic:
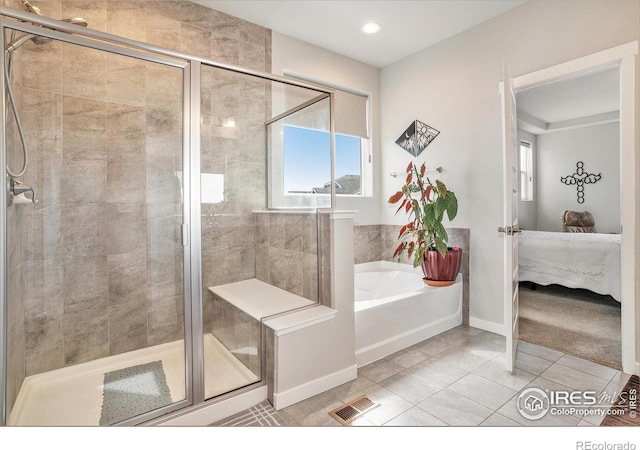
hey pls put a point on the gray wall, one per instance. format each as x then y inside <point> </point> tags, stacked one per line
<point>453,86</point>
<point>598,147</point>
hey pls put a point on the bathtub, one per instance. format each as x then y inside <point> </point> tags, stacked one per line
<point>394,309</point>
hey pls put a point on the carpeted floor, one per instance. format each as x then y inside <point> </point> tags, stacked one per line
<point>574,321</point>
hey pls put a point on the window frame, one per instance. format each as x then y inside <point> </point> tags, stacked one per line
<point>528,172</point>
<point>366,146</point>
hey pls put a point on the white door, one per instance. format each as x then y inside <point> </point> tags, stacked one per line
<point>510,226</point>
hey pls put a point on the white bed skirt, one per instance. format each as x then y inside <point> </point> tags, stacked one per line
<point>575,260</point>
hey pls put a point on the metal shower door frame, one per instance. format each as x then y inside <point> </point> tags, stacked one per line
<point>191,236</point>
<point>127,51</point>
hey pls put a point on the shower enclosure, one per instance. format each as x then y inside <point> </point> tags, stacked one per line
<point>146,205</point>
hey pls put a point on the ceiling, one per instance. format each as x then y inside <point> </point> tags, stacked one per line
<point>577,102</point>
<point>407,26</point>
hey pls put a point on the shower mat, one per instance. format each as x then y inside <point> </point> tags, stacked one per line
<point>132,391</point>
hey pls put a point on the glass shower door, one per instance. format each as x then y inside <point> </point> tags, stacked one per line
<point>95,268</point>
<point>255,263</point>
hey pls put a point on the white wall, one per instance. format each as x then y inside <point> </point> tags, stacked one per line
<point>299,57</point>
<point>598,147</point>
<point>528,211</point>
<point>453,86</point>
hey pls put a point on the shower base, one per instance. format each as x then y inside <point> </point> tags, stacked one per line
<point>72,396</point>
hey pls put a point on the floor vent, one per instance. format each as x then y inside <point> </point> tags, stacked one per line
<point>352,410</point>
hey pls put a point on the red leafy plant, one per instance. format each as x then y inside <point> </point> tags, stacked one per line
<point>426,203</point>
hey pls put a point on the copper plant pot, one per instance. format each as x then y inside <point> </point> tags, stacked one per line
<point>439,269</point>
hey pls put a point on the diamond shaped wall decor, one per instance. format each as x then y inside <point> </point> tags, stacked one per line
<point>416,138</point>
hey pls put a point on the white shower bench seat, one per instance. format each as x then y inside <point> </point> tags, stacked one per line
<point>259,299</point>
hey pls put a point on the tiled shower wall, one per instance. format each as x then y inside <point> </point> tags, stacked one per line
<point>378,242</point>
<point>101,267</point>
<point>239,154</point>
<point>16,256</point>
<point>286,252</point>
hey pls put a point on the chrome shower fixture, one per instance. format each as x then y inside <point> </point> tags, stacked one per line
<point>31,8</point>
<point>17,188</point>
<point>35,10</point>
<point>13,45</point>
<point>40,40</point>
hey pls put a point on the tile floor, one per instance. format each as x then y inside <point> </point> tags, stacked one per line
<point>458,379</point>
<point>261,415</point>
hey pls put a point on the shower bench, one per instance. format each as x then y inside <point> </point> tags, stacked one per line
<point>259,299</point>
<point>240,308</point>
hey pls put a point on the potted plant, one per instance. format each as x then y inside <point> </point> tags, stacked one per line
<point>425,238</point>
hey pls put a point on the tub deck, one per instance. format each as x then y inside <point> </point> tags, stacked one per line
<point>401,317</point>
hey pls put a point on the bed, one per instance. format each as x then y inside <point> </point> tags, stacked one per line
<point>574,260</point>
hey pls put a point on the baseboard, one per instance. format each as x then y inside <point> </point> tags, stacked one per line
<point>385,348</point>
<point>209,414</point>
<point>314,387</point>
<point>486,325</point>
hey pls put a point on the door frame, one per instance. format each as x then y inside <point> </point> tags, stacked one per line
<point>625,58</point>
<point>510,219</point>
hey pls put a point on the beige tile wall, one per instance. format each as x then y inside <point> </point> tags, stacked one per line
<point>18,234</point>
<point>102,265</point>
<point>287,252</point>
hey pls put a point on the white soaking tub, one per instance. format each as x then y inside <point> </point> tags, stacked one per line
<point>394,309</point>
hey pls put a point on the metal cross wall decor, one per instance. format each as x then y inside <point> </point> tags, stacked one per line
<point>580,178</point>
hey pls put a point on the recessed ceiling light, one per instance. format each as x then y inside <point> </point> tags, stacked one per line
<point>371,28</point>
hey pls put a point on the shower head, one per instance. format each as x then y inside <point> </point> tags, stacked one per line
<point>15,45</point>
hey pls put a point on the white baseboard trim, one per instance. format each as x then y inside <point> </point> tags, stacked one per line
<point>394,344</point>
<point>486,325</point>
<point>212,413</point>
<point>314,387</point>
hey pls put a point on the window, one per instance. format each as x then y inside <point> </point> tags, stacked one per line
<point>212,187</point>
<point>353,148</point>
<point>307,148</point>
<point>526,172</point>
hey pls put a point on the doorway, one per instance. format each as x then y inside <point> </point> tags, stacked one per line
<point>569,210</point>
<point>622,59</point>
